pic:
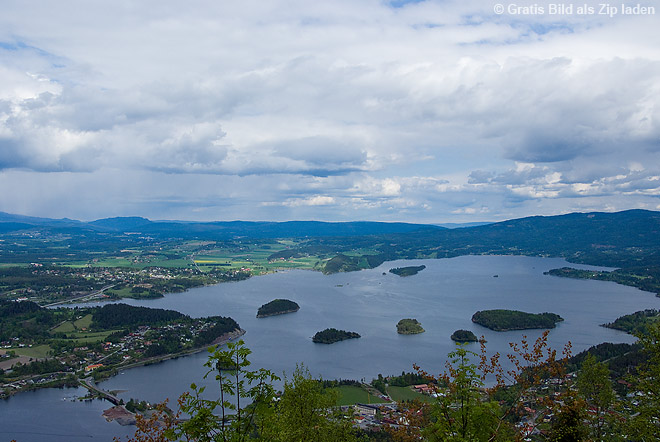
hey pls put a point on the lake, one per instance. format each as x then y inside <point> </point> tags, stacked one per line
<point>443,297</point>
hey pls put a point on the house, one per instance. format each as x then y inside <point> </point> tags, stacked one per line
<point>423,388</point>
<point>366,409</point>
<point>92,367</point>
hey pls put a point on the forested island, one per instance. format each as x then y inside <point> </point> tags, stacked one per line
<point>506,320</point>
<point>409,327</point>
<point>407,271</point>
<point>277,307</point>
<point>332,335</point>
<point>464,336</point>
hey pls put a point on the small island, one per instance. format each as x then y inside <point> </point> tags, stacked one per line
<point>409,327</point>
<point>506,320</point>
<point>277,307</point>
<point>407,271</point>
<point>332,335</point>
<point>464,336</point>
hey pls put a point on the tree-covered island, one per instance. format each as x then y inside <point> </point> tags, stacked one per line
<point>506,320</point>
<point>407,271</point>
<point>332,335</point>
<point>409,326</point>
<point>277,307</point>
<point>464,336</point>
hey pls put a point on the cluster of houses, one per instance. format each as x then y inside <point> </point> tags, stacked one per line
<point>376,416</point>
<point>90,358</point>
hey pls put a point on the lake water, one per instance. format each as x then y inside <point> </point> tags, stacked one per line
<point>443,297</point>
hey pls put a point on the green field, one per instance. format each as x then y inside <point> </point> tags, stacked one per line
<point>89,338</point>
<point>65,327</point>
<point>83,322</point>
<point>37,352</point>
<point>72,326</point>
<point>122,292</point>
<point>208,255</point>
<point>349,395</point>
<point>255,258</point>
<point>399,394</point>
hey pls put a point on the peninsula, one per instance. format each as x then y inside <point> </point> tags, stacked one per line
<point>277,307</point>
<point>65,346</point>
<point>635,323</point>
<point>506,320</point>
<point>409,327</point>
<point>332,335</point>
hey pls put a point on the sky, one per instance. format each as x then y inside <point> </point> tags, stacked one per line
<point>335,110</point>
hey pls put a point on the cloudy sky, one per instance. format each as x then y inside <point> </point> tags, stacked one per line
<point>422,111</point>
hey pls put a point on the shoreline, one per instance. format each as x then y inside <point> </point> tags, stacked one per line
<point>80,382</point>
<point>220,340</point>
<point>278,313</point>
<point>68,303</point>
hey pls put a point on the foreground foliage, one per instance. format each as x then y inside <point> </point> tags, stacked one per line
<point>533,398</point>
<point>247,409</point>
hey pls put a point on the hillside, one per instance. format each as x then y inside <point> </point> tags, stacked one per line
<point>626,239</point>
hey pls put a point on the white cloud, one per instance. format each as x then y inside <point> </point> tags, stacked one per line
<point>318,200</point>
<point>424,110</point>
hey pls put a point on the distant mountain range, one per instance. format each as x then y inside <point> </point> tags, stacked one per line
<point>623,239</point>
<point>210,230</point>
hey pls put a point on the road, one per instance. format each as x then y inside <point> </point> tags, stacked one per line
<point>89,295</point>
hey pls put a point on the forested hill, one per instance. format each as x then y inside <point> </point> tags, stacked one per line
<point>123,315</point>
<point>217,230</point>
<point>622,239</point>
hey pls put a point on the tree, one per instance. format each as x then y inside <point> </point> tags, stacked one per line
<point>568,425</point>
<point>155,428</point>
<point>464,413</point>
<point>470,412</point>
<point>531,367</point>
<point>304,413</point>
<point>645,424</point>
<point>236,420</point>
<point>595,387</point>
<point>246,408</point>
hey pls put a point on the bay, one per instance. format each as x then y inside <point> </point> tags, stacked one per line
<point>443,297</point>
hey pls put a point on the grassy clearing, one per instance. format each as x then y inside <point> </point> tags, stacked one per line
<point>122,293</point>
<point>112,262</point>
<point>37,352</point>
<point>89,338</point>
<point>406,394</point>
<point>83,322</point>
<point>349,395</point>
<point>65,327</point>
